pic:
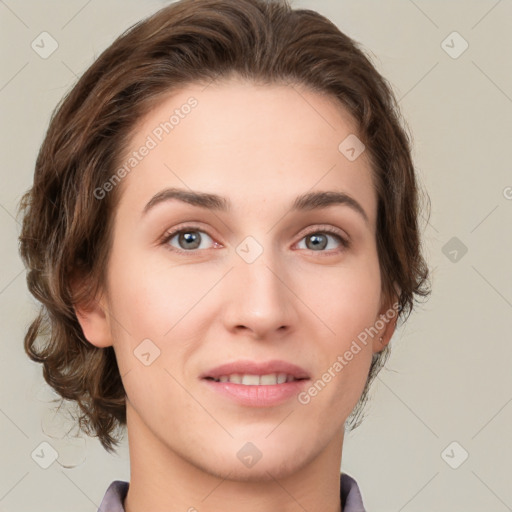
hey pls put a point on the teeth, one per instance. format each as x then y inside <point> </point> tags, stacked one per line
<point>251,380</point>
<point>269,379</point>
<point>257,380</point>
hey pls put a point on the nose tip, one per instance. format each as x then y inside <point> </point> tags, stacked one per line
<point>259,300</point>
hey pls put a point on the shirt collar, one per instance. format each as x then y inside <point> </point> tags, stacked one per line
<point>350,495</point>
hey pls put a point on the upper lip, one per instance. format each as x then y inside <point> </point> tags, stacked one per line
<point>256,368</point>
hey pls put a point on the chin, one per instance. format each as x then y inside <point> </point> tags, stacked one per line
<point>262,471</point>
<point>253,461</point>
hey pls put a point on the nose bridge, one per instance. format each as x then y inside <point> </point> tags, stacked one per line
<point>259,298</point>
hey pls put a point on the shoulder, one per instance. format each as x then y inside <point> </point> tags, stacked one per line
<point>351,498</point>
<point>114,497</point>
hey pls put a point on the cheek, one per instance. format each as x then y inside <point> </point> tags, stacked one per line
<point>151,303</point>
<point>150,297</point>
<point>160,302</point>
<point>345,298</point>
<point>347,302</point>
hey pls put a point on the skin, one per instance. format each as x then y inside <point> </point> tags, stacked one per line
<point>260,147</point>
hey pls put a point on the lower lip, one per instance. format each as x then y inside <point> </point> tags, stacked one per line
<point>258,396</point>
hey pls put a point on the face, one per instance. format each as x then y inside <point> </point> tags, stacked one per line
<point>248,278</point>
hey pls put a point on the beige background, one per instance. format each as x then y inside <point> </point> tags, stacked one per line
<point>449,377</point>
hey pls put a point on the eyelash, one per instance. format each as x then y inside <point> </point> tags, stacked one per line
<point>345,243</point>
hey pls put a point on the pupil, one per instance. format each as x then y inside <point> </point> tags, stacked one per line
<point>317,241</point>
<point>191,240</point>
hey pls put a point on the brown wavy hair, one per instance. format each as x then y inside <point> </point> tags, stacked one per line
<point>67,231</point>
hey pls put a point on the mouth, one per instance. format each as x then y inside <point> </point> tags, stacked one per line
<point>256,384</point>
<point>247,379</point>
<point>254,373</point>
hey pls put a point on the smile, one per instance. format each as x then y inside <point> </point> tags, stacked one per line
<point>255,380</point>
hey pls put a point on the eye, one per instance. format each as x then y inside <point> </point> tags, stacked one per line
<point>192,238</point>
<point>319,240</point>
<point>187,239</point>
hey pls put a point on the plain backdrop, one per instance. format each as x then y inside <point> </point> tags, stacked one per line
<point>437,435</point>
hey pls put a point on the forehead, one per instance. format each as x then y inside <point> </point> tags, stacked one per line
<point>245,141</point>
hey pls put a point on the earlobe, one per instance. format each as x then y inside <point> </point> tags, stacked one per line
<point>94,324</point>
<point>94,321</point>
<point>385,337</point>
<point>386,324</point>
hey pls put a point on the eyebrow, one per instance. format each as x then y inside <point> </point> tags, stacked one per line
<point>304,202</point>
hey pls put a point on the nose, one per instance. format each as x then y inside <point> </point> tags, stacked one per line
<point>260,301</point>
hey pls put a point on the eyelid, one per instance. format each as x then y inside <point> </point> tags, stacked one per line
<point>325,228</point>
<point>343,239</point>
<point>171,233</point>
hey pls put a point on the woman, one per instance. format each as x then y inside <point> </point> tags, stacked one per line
<point>223,233</point>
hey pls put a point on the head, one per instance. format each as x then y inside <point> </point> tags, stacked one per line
<point>258,103</point>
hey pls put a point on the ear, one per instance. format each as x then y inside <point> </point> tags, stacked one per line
<point>385,323</point>
<point>93,317</point>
